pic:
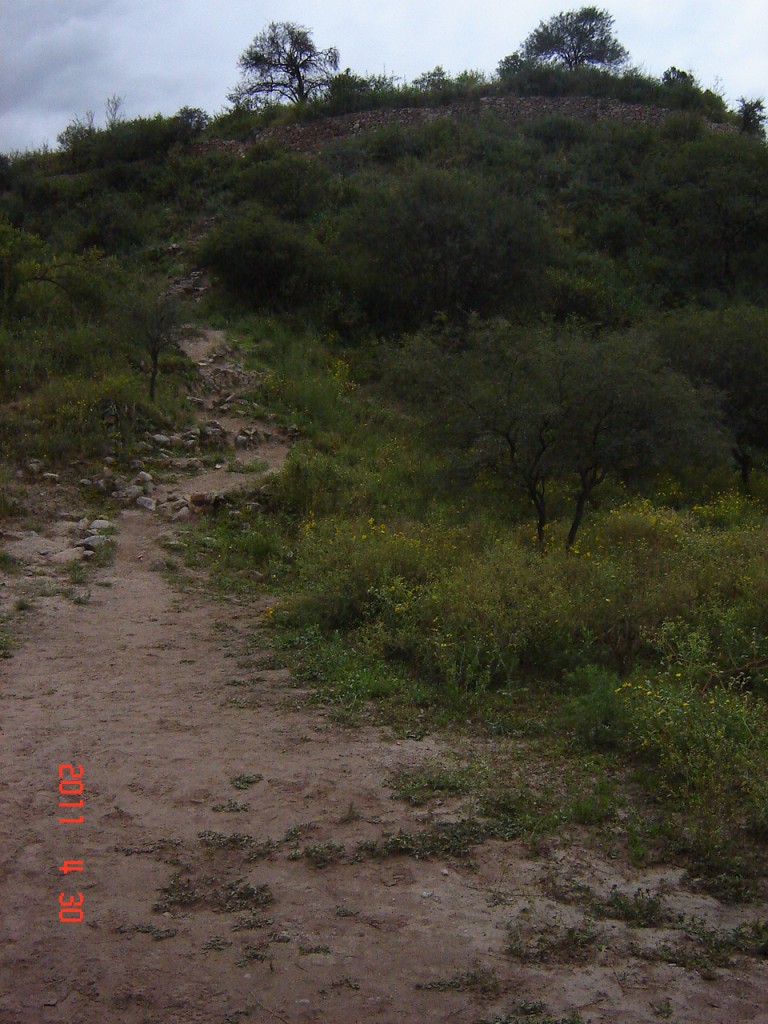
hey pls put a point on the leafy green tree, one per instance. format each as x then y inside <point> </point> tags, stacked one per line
<point>554,407</point>
<point>704,209</point>
<point>153,320</point>
<point>727,350</point>
<point>432,81</point>
<point>752,116</point>
<point>283,63</point>
<point>28,269</point>
<point>438,241</point>
<point>576,39</point>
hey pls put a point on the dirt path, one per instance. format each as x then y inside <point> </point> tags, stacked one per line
<point>216,805</point>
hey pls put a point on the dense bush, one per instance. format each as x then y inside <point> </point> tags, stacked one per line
<point>294,187</point>
<point>124,142</point>
<point>266,262</point>
<point>441,242</point>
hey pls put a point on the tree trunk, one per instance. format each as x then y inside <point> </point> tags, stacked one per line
<point>590,478</point>
<point>745,463</point>
<point>153,376</point>
<point>578,515</point>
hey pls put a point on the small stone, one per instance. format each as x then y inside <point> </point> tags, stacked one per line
<point>93,542</point>
<point>182,515</point>
<point>161,439</point>
<point>67,555</point>
<point>53,477</point>
<point>98,524</point>
<point>241,441</point>
<point>148,503</point>
<point>84,482</point>
<point>144,478</point>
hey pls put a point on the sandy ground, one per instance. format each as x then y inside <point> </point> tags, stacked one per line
<point>197,904</point>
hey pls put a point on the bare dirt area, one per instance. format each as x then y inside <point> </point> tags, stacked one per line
<point>239,846</point>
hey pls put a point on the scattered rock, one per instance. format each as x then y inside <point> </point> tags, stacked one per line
<point>148,503</point>
<point>93,542</point>
<point>67,555</point>
<point>131,493</point>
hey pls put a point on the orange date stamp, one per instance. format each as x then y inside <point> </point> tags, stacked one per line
<point>71,787</point>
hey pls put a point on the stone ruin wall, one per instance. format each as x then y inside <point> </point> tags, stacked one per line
<point>310,136</point>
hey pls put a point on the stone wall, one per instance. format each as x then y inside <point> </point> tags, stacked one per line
<point>310,136</point>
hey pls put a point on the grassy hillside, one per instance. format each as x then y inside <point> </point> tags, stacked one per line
<point>529,367</point>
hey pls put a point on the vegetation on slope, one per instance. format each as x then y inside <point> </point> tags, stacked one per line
<point>527,364</point>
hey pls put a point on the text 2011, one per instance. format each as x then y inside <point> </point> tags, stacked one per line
<point>71,789</point>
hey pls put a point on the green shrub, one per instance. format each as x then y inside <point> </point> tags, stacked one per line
<point>354,571</point>
<point>293,187</point>
<point>78,417</point>
<point>437,241</point>
<point>709,751</point>
<point>597,715</point>
<point>263,261</point>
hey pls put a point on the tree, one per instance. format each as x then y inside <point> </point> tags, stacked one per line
<point>704,217</point>
<point>540,408</point>
<point>752,117</point>
<point>27,265</point>
<point>576,39</point>
<point>726,350</point>
<point>441,241</point>
<point>283,63</point>
<point>153,320</point>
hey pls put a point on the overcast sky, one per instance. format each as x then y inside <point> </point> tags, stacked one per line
<point>61,58</point>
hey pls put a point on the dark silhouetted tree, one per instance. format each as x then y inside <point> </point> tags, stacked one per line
<point>283,63</point>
